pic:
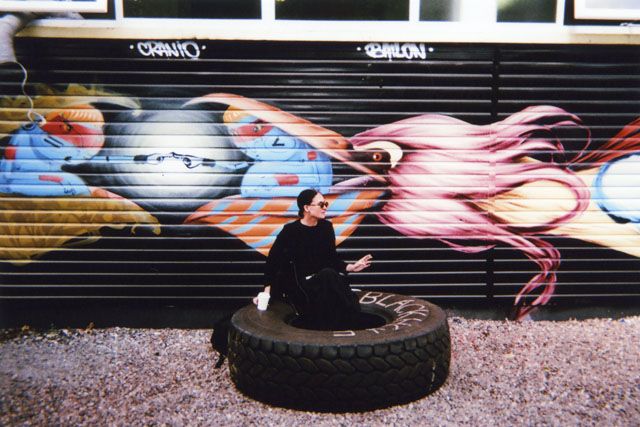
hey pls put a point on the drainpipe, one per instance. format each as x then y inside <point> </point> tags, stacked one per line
<point>12,23</point>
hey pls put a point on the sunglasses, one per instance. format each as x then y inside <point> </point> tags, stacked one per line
<point>321,205</point>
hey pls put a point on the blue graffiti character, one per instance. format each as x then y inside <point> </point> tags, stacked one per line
<point>33,160</point>
<point>616,189</point>
<point>283,164</point>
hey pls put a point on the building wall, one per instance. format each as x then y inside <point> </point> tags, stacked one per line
<point>165,169</point>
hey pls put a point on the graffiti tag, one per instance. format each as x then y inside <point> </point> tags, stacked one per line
<point>177,49</point>
<point>393,51</point>
<point>409,311</point>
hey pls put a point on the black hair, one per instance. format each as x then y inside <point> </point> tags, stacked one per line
<point>304,198</point>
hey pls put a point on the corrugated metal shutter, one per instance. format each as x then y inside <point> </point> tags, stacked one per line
<point>334,85</point>
<point>601,85</point>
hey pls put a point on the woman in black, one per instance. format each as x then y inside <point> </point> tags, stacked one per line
<point>303,267</point>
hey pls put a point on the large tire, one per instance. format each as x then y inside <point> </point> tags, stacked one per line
<point>404,359</point>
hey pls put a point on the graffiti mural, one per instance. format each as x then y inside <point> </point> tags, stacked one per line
<point>96,161</point>
<point>430,195</point>
<point>45,205</point>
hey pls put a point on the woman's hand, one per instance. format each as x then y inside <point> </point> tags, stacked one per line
<point>361,264</point>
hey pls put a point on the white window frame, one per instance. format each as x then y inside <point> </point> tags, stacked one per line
<point>93,6</point>
<point>467,30</point>
<point>583,11</point>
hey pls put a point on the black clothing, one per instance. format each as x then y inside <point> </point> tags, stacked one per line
<point>333,303</point>
<point>303,269</point>
<point>310,248</point>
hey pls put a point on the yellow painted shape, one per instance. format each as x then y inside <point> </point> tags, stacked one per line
<point>30,227</point>
<point>542,201</point>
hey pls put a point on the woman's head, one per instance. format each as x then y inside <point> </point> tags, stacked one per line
<point>311,202</point>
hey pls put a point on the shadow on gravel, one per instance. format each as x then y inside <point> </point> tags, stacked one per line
<point>43,315</point>
<point>203,314</point>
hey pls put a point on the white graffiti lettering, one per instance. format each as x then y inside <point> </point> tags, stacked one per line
<point>399,304</point>
<point>177,49</point>
<point>393,51</point>
<point>420,312</point>
<point>410,312</point>
<point>399,323</point>
<point>370,297</point>
<point>419,308</point>
<point>403,320</point>
<point>380,302</point>
<point>344,333</point>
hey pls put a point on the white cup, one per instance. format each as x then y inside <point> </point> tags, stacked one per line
<point>263,300</point>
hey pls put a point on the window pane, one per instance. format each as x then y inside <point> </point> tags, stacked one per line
<point>439,10</point>
<point>110,14</point>
<point>343,10</point>
<point>613,4</point>
<point>526,10</point>
<point>621,10</point>
<point>194,9</point>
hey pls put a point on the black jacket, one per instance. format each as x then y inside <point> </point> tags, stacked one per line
<point>298,252</point>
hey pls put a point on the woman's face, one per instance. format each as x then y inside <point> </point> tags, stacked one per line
<point>318,207</point>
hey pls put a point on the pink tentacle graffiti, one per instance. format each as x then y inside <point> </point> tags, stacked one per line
<point>454,177</point>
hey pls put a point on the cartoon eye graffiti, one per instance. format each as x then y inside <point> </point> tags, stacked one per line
<point>254,129</point>
<point>380,151</point>
<point>377,160</point>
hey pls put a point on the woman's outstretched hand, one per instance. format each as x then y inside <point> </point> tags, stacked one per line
<point>361,264</point>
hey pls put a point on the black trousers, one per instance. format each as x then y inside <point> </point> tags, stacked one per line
<point>332,304</point>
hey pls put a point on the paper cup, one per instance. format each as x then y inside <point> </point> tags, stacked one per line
<point>263,300</point>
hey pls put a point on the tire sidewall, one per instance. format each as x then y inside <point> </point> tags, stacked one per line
<point>406,318</point>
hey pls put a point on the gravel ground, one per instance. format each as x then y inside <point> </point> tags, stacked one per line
<point>503,374</point>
